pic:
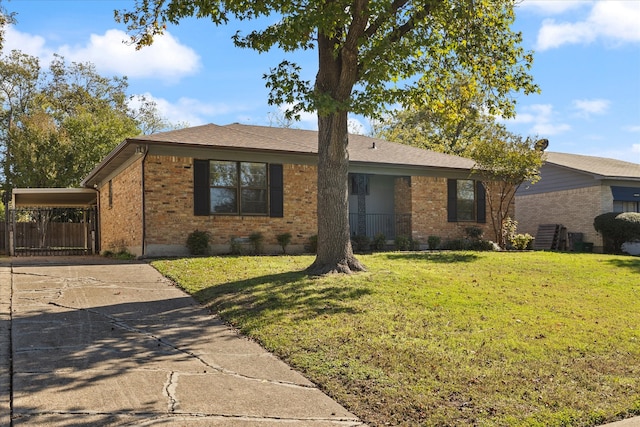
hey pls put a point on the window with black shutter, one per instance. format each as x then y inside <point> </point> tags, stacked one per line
<point>237,188</point>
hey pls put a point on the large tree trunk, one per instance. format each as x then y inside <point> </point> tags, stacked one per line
<point>337,74</point>
<point>335,254</point>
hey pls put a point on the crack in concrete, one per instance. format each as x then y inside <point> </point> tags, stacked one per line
<point>170,390</point>
<point>123,325</point>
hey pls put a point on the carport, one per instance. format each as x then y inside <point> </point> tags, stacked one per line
<point>53,221</point>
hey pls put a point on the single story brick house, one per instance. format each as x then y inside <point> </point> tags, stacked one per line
<point>235,180</point>
<point>574,189</point>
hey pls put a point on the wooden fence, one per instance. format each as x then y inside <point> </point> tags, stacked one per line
<point>53,232</point>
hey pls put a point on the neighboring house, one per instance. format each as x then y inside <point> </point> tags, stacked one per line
<point>235,180</point>
<point>574,189</point>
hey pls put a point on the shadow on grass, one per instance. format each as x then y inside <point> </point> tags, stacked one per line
<point>291,294</point>
<point>439,257</point>
<point>630,263</point>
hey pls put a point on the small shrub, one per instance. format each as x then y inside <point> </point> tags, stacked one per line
<point>361,243</point>
<point>379,242</point>
<point>122,254</point>
<point>235,246</point>
<point>415,244</point>
<point>198,242</point>
<point>403,243</point>
<point>454,244</point>
<point>509,227</point>
<point>479,245</point>
<point>257,241</point>
<point>433,242</point>
<point>521,242</point>
<point>313,243</point>
<point>283,240</point>
<point>474,232</point>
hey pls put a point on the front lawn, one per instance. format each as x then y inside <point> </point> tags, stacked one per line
<point>448,338</point>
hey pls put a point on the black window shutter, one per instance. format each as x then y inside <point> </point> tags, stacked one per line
<point>276,191</point>
<point>201,187</point>
<point>452,200</point>
<point>482,203</point>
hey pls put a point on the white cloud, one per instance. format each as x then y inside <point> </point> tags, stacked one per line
<point>633,128</point>
<point>588,107</point>
<point>27,43</point>
<point>542,120</point>
<point>613,21</point>
<point>191,111</point>
<point>635,148</point>
<point>166,59</point>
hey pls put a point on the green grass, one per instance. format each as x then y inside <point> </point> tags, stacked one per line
<point>459,338</point>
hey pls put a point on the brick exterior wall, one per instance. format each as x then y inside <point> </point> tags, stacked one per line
<point>402,205</point>
<point>169,210</point>
<point>574,209</point>
<point>121,221</point>
<point>429,212</point>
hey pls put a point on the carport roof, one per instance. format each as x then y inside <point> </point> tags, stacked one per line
<point>54,197</point>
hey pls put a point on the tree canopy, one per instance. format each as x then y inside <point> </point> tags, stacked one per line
<point>371,54</point>
<point>57,124</point>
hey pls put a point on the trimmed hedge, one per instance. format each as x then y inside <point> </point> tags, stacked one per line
<point>617,228</point>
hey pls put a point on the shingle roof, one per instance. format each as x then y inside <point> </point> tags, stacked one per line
<point>601,166</point>
<point>361,148</point>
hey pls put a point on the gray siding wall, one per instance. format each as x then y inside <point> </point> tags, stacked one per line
<point>556,178</point>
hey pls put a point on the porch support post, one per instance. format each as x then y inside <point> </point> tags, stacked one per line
<point>362,204</point>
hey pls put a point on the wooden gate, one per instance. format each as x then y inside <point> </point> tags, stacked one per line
<point>53,231</point>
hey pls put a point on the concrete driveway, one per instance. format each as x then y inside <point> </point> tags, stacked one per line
<point>88,341</point>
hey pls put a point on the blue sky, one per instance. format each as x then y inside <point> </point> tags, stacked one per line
<point>587,63</point>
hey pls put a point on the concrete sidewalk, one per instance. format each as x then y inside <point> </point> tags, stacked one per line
<point>96,342</point>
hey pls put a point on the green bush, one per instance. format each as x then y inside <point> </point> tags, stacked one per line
<point>617,228</point>
<point>521,242</point>
<point>198,242</point>
<point>235,246</point>
<point>474,232</point>
<point>283,240</point>
<point>454,244</point>
<point>379,242</point>
<point>433,242</point>
<point>257,241</point>
<point>313,243</point>
<point>361,243</point>
<point>403,243</point>
<point>468,245</point>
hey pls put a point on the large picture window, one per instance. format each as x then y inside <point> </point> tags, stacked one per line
<point>238,188</point>
<point>223,187</point>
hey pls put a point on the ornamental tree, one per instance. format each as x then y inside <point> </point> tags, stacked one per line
<point>503,162</point>
<point>371,54</point>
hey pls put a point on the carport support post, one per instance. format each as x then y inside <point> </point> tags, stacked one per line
<point>10,231</point>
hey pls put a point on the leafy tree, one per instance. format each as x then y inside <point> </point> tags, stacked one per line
<point>71,118</point>
<point>503,162</point>
<point>149,119</point>
<point>371,53</point>
<point>59,123</point>
<point>19,76</point>
<point>450,123</point>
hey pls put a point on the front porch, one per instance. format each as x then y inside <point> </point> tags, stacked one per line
<point>370,225</point>
<point>379,204</point>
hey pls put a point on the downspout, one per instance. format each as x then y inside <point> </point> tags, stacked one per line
<point>144,220</point>
<point>97,231</point>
